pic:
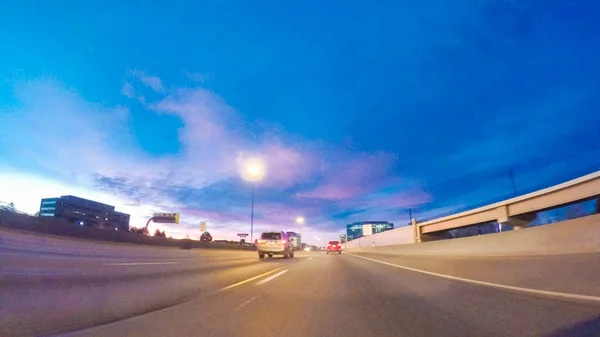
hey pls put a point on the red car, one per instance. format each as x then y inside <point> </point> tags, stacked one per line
<point>334,247</point>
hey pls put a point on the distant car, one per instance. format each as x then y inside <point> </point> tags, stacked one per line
<point>274,243</point>
<point>334,247</point>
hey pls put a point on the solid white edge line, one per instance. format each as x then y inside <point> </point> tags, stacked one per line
<point>138,263</point>
<point>261,282</point>
<point>489,284</point>
<point>249,279</point>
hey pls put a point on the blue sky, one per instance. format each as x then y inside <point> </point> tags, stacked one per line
<point>360,110</point>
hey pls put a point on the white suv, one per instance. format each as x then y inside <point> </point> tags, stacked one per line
<point>274,243</point>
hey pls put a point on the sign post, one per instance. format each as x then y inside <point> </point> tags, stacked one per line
<point>243,237</point>
<point>163,218</point>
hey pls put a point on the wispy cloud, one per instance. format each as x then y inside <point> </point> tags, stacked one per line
<point>356,175</point>
<point>433,122</point>
<point>127,90</point>
<point>153,82</point>
<point>199,78</point>
<point>92,146</point>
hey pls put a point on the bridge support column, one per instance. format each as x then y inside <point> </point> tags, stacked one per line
<point>514,222</point>
<point>416,231</point>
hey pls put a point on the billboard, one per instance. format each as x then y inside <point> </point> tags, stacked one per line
<point>165,217</point>
<point>367,229</point>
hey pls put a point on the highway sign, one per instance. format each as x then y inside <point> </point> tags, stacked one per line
<point>165,217</point>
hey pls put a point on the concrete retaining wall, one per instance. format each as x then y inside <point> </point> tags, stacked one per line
<point>581,235</point>
<point>60,227</point>
<point>403,235</point>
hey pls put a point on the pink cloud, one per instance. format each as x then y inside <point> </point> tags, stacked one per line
<point>345,180</point>
<point>212,134</point>
<point>405,199</point>
<point>213,139</point>
<point>286,165</point>
<point>331,192</point>
<point>215,217</point>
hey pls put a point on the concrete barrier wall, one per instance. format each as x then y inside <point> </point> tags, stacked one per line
<point>403,235</point>
<point>574,236</point>
<point>61,227</point>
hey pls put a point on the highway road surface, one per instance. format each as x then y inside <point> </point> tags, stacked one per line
<point>67,287</point>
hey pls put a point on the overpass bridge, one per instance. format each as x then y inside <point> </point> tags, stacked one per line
<point>516,212</point>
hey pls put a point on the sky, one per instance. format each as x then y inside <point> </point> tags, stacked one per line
<point>359,110</point>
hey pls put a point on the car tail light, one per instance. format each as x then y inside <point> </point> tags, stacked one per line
<point>283,241</point>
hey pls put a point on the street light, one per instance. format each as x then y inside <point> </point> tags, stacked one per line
<point>300,220</point>
<point>253,170</point>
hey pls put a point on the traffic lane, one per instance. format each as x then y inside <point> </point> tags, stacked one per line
<point>25,270</point>
<point>53,308</point>
<point>334,296</point>
<point>560,273</point>
<point>220,313</point>
<point>316,297</point>
<point>486,311</point>
<point>334,292</point>
<point>20,263</point>
<point>343,295</point>
<point>321,296</point>
<point>110,274</point>
<point>41,246</point>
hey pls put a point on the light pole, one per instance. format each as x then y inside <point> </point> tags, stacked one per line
<point>253,170</point>
<point>252,218</point>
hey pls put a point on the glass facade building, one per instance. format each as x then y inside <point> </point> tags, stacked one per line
<point>84,212</point>
<point>355,230</point>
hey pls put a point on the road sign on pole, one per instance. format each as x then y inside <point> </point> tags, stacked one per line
<point>165,217</point>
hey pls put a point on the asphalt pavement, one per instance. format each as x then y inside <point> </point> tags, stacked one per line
<point>144,291</point>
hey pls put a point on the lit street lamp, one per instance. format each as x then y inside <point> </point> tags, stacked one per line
<point>300,220</point>
<point>253,170</point>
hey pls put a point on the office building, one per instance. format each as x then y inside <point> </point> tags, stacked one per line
<point>363,228</point>
<point>84,212</point>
